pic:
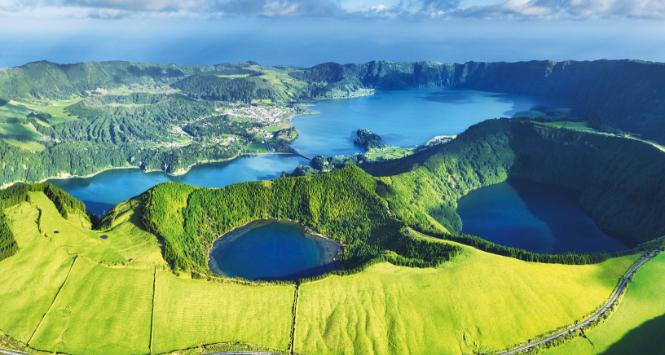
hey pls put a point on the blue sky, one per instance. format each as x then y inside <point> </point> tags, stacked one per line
<point>306,32</point>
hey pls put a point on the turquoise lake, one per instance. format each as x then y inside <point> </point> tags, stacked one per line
<point>403,117</point>
<point>535,217</point>
<point>269,250</point>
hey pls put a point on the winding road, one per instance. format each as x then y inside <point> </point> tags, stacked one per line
<point>606,308</point>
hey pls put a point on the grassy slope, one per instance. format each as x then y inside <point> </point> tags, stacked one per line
<point>189,313</point>
<point>624,331</point>
<point>477,302</point>
<point>108,298</point>
<point>458,306</point>
<point>99,310</point>
<point>31,277</point>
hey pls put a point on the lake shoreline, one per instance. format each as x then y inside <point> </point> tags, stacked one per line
<point>177,173</point>
<point>330,250</point>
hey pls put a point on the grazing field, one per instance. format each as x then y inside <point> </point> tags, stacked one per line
<point>636,326</point>
<point>124,244</point>
<point>60,290</point>
<point>31,278</point>
<point>99,310</point>
<point>477,302</point>
<point>189,313</point>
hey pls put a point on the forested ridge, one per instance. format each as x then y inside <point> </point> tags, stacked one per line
<point>56,119</point>
<point>370,215</point>
<point>618,179</point>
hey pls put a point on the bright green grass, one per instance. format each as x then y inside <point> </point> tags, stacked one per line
<point>189,313</point>
<point>55,108</point>
<point>643,302</point>
<point>30,279</point>
<point>126,243</point>
<point>476,302</point>
<point>387,153</point>
<point>100,310</point>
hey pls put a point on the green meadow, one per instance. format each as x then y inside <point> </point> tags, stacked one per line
<point>636,326</point>
<point>70,286</point>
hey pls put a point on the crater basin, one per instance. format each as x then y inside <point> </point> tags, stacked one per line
<point>271,250</point>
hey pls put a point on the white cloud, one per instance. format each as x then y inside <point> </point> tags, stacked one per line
<point>413,9</point>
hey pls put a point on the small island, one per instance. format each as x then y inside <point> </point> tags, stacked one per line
<point>367,139</point>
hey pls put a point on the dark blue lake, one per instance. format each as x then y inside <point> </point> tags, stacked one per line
<point>404,118</point>
<point>535,217</point>
<point>269,250</point>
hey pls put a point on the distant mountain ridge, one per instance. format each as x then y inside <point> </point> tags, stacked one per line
<point>626,95</point>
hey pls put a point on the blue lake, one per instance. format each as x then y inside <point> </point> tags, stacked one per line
<point>404,117</point>
<point>535,217</point>
<point>106,189</point>
<point>270,250</point>
<point>401,117</point>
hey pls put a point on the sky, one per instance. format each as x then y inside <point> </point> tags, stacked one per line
<point>307,32</point>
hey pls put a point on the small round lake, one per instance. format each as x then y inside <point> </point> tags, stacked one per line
<point>269,250</point>
<point>535,217</point>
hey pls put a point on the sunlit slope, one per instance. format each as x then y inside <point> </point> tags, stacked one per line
<point>102,302</point>
<point>189,313</point>
<point>476,302</point>
<point>99,310</point>
<point>30,278</point>
<point>636,326</point>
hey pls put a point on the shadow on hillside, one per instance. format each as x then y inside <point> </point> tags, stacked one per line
<point>646,339</point>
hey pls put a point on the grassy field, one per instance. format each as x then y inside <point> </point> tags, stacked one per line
<point>15,129</point>
<point>636,326</point>
<point>75,292</point>
<point>99,310</point>
<point>189,313</point>
<point>30,278</point>
<point>477,302</point>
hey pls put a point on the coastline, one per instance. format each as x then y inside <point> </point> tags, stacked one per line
<point>179,172</point>
<point>185,170</point>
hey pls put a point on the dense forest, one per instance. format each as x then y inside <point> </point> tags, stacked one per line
<point>343,205</point>
<point>372,215</point>
<point>78,119</point>
<point>619,181</point>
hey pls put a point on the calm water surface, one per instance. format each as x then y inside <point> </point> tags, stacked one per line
<point>272,251</point>
<point>106,189</point>
<point>400,117</point>
<point>405,118</point>
<point>535,217</point>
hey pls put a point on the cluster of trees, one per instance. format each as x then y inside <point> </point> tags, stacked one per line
<point>342,204</point>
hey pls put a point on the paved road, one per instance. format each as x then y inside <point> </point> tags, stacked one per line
<point>613,300</point>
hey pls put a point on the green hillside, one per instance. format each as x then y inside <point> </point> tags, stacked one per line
<point>64,289</point>
<point>55,119</point>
